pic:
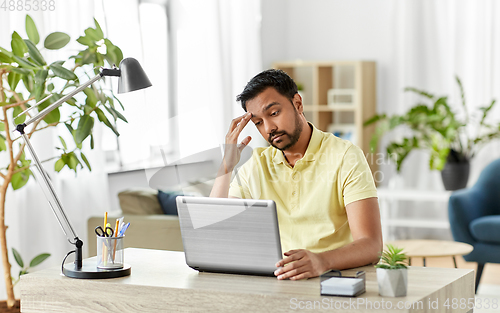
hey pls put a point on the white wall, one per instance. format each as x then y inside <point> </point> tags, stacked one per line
<point>332,30</point>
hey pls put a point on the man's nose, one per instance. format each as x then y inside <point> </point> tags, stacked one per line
<point>270,128</point>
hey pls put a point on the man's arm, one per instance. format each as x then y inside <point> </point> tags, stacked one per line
<point>232,153</point>
<point>364,220</point>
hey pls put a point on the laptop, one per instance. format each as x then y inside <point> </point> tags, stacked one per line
<point>237,236</point>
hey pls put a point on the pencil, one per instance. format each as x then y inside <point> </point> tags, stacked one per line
<point>116,235</point>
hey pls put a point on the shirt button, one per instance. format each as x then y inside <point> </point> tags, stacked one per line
<point>294,193</point>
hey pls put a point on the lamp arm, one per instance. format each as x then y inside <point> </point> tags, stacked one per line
<point>56,104</point>
<point>51,195</point>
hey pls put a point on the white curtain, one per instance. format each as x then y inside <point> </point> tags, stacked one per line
<point>218,51</point>
<point>33,229</point>
<point>434,41</point>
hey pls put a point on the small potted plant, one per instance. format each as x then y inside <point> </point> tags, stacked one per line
<point>392,273</point>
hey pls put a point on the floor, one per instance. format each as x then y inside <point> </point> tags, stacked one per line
<point>488,295</point>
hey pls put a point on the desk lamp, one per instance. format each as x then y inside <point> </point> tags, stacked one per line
<point>131,78</point>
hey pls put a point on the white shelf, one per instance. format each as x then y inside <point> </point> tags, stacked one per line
<point>389,208</point>
<point>413,194</point>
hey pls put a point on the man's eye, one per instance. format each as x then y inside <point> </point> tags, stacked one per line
<point>257,124</point>
<point>274,113</point>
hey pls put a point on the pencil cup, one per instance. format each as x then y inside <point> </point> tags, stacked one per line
<point>110,252</point>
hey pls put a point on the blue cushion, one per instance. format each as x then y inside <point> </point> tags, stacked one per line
<point>167,201</point>
<point>486,228</point>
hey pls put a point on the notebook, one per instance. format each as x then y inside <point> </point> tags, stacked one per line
<point>230,235</point>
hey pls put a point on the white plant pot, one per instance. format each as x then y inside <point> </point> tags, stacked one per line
<point>392,283</point>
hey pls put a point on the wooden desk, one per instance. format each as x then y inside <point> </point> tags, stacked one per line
<point>161,281</point>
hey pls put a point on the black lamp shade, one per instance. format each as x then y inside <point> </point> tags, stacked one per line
<point>132,76</point>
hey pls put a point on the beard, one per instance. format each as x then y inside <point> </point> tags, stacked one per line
<point>294,137</point>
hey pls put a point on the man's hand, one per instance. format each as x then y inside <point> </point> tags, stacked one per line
<point>232,151</point>
<point>300,264</point>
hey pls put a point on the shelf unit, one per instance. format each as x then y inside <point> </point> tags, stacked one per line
<point>355,78</point>
<point>389,208</point>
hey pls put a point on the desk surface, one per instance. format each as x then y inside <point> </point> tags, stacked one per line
<point>162,281</point>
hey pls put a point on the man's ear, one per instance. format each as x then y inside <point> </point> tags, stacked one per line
<point>297,102</point>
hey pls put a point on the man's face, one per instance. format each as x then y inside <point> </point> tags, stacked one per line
<point>276,118</point>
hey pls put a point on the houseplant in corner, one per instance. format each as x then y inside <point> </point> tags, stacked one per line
<point>452,141</point>
<point>27,77</point>
<point>392,273</point>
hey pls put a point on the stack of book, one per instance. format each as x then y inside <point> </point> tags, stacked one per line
<point>342,286</point>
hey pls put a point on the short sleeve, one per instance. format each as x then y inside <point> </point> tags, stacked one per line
<point>357,179</point>
<point>239,187</point>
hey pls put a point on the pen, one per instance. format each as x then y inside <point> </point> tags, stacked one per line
<point>124,228</point>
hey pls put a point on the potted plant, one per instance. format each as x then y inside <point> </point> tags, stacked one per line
<point>452,141</point>
<point>392,273</point>
<point>27,77</point>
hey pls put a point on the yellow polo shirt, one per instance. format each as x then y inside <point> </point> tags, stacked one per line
<point>310,197</point>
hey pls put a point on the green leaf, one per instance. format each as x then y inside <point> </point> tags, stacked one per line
<point>91,141</point>
<point>84,158</point>
<point>55,115</point>
<point>85,125</point>
<point>420,92</point>
<point>29,82</point>
<point>63,143</point>
<point>92,34</point>
<point>113,54</point>
<point>25,63</point>
<point>62,72</point>
<point>56,41</point>
<point>39,259</point>
<point>102,117</point>
<point>98,29</point>
<point>86,41</point>
<point>58,166</point>
<point>17,110</point>
<point>13,79</point>
<point>40,78</point>
<point>116,114</point>
<point>22,71</point>
<point>19,48</point>
<point>18,258</point>
<point>35,53</point>
<point>20,179</point>
<point>31,30</point>
<point>4,58</point>
<point>7,52</point>
<point>91,97</point>
<point>2,127</point>
<point>70,128</point>
<point>73,161</point>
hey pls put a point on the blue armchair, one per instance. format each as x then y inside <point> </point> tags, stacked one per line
<point>474,215</point>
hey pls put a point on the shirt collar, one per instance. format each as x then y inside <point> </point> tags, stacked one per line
<point>311,151</point>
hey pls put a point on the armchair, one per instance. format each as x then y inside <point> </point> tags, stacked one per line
<point>474,215</point>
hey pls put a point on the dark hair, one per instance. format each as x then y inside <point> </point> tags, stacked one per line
<point>277,79</point>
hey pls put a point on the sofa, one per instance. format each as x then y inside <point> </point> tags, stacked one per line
<point>152,214</point>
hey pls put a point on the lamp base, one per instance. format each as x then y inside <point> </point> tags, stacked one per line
<point>89,270</point>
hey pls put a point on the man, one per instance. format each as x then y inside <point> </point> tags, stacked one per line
<point>324,191</point>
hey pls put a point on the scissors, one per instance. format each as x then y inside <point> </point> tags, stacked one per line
<point>101,233</point>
